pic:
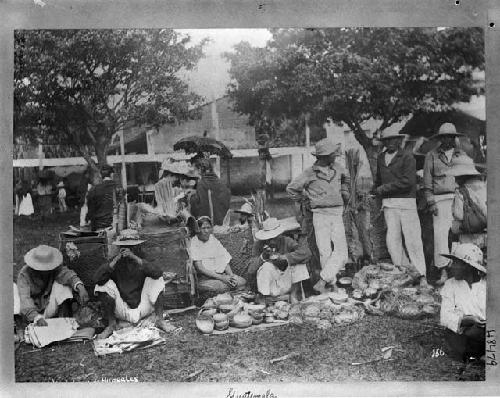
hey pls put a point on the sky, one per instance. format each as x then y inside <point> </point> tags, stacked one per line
<point>211,76</point>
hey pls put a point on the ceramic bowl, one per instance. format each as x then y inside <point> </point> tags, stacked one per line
<point>225,308</point>
<point>222,325</point>
<point>220,318</point>
<point>205,324</point>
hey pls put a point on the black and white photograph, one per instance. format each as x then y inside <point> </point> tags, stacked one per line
<point>257,205</point>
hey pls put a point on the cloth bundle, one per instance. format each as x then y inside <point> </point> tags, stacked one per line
<point>58,329</point>
<point>128,339</point>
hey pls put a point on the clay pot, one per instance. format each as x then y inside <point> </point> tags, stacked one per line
<point>205,324</point>
<point>222,325</point>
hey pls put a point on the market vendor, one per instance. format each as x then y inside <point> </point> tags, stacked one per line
<point>280,266</point>
<point>101,199</point>
<point>129,288</point>
<point>212,197</point>
<point>463,304</point>
<point>46,287</point>
<point>211,261</point>
<point>469,207</point>
<point>245,218</point>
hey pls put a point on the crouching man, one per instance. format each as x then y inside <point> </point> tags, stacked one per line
<point>281,265</point>
<point>463,304</point>
<point>46,287</point>
<point>129,288</point>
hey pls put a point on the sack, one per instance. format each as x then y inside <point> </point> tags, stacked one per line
<point>474,220</point>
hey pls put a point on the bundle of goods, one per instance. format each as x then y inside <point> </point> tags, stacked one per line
<point>327,310</point>
<point>128,339</point>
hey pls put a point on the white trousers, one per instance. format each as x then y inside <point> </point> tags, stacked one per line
<point>404,223</point>
<point>329,229</point>
<point>58,295</point>
<point>150,292</point>
<point>273,282</point>
<point>442,225</point>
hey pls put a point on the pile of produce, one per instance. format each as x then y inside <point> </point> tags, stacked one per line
<point>383,289</point>
<point>370,280</point>
<point>327,310</point>
<point>410,303</point>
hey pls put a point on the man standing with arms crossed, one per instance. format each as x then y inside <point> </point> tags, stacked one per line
<point>324,188</point>
<point>396,182</point>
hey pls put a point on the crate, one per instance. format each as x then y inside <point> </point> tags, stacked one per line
<point>166,247</point>
<point>93,254</point>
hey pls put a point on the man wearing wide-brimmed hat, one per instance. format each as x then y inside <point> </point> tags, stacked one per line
<point>463,304</point>
<point>324,188</point>
<point>395,183</point>
<point>46,286</point>
<point>129,287</point>
<point>279,265</point>
<point>439,187</point>
<point>469,206</point>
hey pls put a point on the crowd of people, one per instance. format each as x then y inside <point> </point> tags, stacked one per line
<point>38,197</point>
<point>129,288</point>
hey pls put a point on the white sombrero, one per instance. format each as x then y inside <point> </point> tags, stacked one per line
<point>271,228</point>
<point>43,258</point>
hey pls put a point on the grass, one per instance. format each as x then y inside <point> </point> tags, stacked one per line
<point>323,355</point>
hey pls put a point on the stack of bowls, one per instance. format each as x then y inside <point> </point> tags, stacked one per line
<point>221,321</point>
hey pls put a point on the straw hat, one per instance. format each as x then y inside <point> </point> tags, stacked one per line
<point>326,147</point>
<point>463,165</point>
<point>246,208</point>
<point>289,224</point>
<point>128,237</point>
<point>43,258</point>
<point>468,253</point>
<point>271,228</point>
<point>446,129</point>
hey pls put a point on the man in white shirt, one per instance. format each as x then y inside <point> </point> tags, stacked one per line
<point>463,304</point>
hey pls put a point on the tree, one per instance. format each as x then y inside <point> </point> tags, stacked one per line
<point>80,87</point>
<point>352,75</point>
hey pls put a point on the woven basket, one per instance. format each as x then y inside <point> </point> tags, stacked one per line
<point>93,254</point>
<point>166,247</point>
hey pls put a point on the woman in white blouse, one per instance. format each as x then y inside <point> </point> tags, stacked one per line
<point>211,260</point>
<point>463,305</point>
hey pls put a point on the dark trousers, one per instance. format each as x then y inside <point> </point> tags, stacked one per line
<point>470,343</point>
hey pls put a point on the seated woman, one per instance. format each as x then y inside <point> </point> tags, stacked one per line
<point>211,260</point>
<point>463,305</point>
<point>280,267</point>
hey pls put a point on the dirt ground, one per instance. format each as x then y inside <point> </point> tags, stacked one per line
<point>322,355</point>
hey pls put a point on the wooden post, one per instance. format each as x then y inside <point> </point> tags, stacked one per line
<point>40,156</point>
<point>124,167</point>
<point>215,125</point>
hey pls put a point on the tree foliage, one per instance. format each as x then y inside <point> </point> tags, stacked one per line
<point>352,75</point>
<point>79,87</point>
